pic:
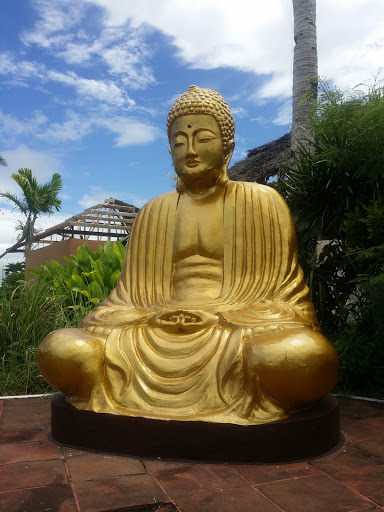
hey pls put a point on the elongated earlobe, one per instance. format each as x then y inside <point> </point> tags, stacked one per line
<point>229,151</point>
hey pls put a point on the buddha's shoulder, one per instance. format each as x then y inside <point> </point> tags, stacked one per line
<point>257,189</point>
<point>166,198</point>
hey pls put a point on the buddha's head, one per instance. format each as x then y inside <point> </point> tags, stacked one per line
<point>200,130</point>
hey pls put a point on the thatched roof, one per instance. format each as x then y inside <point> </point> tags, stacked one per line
<point>263,162</point>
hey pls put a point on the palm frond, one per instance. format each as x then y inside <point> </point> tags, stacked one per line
<point>19,203</point>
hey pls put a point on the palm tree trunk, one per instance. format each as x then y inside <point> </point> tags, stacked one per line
<point>304,69</point>
<point>13,247</point>
<point>30,231</point>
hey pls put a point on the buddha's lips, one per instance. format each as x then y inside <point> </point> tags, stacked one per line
<point>192,163</point>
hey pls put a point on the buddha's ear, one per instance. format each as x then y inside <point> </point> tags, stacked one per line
<point>170,150</point>
<point>229,151</point>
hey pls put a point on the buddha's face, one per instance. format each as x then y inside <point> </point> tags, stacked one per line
<point>197,147</point>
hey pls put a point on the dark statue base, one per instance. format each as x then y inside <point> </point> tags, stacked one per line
<point>304,435</point>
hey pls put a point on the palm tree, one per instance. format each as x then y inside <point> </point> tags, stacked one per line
<point>304,69</point>
<point>3,161</point>
<point>36,200</point>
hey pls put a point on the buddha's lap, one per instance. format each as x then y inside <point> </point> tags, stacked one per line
<point>298,363</point>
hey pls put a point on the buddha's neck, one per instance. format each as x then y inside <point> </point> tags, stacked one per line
<point>204,185</point>
<point>211,194</point>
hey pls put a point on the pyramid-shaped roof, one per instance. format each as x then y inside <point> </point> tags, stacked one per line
<point>111,220</point>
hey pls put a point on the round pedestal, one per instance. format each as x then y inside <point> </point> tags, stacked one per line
<point>303,435</point>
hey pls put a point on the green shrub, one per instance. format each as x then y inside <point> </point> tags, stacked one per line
<point>13,274</point>
<point>335,191</point>
<point>88,277</point>
<point>61,297</point>
<point>27,314</point>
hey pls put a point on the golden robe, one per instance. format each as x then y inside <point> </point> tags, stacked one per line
<point>201,374</point>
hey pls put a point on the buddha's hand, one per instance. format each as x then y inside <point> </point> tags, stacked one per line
<point>183,321</point>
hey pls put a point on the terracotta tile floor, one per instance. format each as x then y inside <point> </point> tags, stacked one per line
<point>36,475</point>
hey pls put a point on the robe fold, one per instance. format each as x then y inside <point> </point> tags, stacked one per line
<point>149,371</point>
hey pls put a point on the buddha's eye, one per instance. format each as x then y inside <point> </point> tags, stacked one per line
<point>206,139</point>
<point>178,142</point>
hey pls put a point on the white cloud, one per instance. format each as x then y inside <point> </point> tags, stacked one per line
<point>97,195</point>
<point>22,70</point>
<point>8,233</point>
<point>74,128</point>
<point>123,50</point>
<point>284,115</point>
<point>104,91</point>
<point>54,18</point>
<point>239,112</point>
<point>127,131</point>
<point>351,40</point>
<point>258,36</point>
<point>42,164</point>
<point>11,128</point>
<point>252,36</point>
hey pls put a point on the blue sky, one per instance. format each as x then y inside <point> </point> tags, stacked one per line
<point>86,85</point>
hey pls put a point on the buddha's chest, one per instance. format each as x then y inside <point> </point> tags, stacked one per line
<point>199,229</point>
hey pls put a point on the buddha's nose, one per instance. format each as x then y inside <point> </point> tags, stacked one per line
<point>191,150</point>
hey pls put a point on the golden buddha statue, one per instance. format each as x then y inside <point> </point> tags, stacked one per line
<point>210,319</point>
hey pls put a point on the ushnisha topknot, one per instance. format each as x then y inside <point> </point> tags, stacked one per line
<point>204,101</point>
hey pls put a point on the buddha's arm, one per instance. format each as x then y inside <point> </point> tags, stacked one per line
<point>276,291</point>
<point>119,310</point>
<point>270,316</point>
<point>112,314</point>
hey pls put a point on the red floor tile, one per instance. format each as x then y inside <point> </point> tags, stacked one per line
<point>69,452</point>
<point>154,466</point>
<point>359,409</point>
<point>26,421</point>
<point>348,480</point>
<point>17,434</point>
<point>197,479</point>
<point>38,473</point>
<point>162,507</point>
<point>241,499</point>
<point>18,452</point>
<point>23,406</point>
<point>56,498</point>
<point>117,492</point>
<point>268,473</point>
<point>368,481</point>
<point>315,494</point>
<point>344,459</point>
<point>377,423</point>
<point>373,447</point>
<point>355,430</point>
<point>26,414</point>
<point>92,466</point>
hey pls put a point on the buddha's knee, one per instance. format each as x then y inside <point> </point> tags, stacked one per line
<point>71,360</point>
<point>296,367</point>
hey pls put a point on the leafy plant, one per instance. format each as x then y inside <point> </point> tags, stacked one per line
<point>61,297</point>
<point>335,193</point>
<point>13,274</point>
<point>28,313</point>
<point>87,278</point>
